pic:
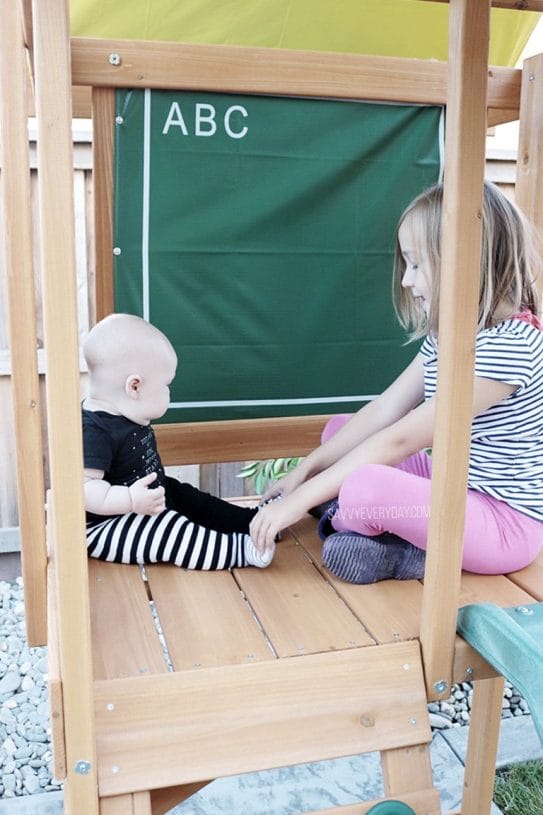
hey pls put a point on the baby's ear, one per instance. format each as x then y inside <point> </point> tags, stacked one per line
<point>132,386</point>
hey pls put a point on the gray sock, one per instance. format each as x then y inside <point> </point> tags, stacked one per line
<point>362,559</point>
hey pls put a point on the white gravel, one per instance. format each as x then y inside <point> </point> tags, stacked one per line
<point>25,748</point>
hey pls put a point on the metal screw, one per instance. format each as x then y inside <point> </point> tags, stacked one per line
<point>114,769</point>
<point>82,767</point>
<point>110,706</point>
<point>469,671</point>
<point>524,610</point>
<point>407,667</point>
<point>440,686</point>
<point>413,721</point>
<point>119,120</point>
<point>531,77</point>
<point>117,251</point>
<point>114,59</point>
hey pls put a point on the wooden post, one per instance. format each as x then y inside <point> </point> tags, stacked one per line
<point>529,183</point>
<point>460,264</point>
<point>67,524</point>
<point>19,274</point>
<point>484,731</point>
<point>103,115</point>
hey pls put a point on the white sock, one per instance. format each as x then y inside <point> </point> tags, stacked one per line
<point>254,558</point>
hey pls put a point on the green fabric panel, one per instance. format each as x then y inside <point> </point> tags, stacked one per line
<point>270,254</point>
<point>511,640</point>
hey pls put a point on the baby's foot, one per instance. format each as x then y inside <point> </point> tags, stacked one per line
<point>254,558</point>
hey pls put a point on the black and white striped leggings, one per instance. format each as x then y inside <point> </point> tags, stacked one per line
<point>196,531</point>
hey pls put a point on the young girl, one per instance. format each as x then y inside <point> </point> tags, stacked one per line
<point>375,461</point>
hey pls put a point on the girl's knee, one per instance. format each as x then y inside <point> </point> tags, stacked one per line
<point>333,425</point>
<point>369,484</point>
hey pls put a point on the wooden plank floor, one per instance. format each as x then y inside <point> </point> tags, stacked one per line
<point>293,608</point>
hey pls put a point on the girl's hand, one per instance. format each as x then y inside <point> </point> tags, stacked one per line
<point>284,486</point>
<point>271,520</point>
<point>146,501</point>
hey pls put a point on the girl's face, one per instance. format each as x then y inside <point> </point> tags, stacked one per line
<point>416,277</point>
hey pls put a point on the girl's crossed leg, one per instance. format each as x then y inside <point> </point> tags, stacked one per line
<point>377,498</point>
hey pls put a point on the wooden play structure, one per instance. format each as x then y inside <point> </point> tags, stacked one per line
<point>263,668</point>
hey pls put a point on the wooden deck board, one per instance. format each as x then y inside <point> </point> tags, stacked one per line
<point>205,619</point>
<point>531,578</point>
<point>299,611</point>
<point>389,610</point>
<point>124,636</point>
<point>296,607</point>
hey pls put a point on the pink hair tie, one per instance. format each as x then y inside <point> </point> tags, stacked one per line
<point>528,317</point>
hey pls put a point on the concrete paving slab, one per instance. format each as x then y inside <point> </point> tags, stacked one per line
<point>326,783</point>
<point>287,790</point>
<point>47,803</point>
<point>518,741</point>
<point>319,785</point>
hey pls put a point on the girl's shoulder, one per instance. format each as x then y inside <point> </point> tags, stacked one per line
<point>515,331</point>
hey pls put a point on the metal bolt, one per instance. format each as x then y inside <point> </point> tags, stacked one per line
<point>119,120</point>
<point>524,610</point>
<point>440,686</point>
<point>114,59</point>
<point>117,251</point>
<point>82,767</point>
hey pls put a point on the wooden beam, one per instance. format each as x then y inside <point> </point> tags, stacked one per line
<point>18,271</point>
<point>517,5</point>
<point>529,183</point>
<point>103,116</point>
<point>458,305</point>
<point>239,718</point>
<point>228,68</point>
<point>67,524</point>
<point>137,804</point>
<point>484,731</point>
<point>162,801</point>
<point>238,439</point>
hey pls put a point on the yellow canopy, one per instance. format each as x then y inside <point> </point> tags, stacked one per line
<point>406,28</point>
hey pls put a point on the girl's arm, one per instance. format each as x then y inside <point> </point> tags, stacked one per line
<point>396,401</point>
<point>103,498</point>
<point>390,445</point>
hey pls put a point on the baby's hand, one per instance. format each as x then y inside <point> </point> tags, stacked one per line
<point>147,501</point>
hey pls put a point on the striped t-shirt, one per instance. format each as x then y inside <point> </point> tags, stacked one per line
<point>506,454</point>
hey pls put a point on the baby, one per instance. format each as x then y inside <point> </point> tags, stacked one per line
<point>135,512</point>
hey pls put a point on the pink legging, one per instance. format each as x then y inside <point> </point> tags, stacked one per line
<point>378,498</point>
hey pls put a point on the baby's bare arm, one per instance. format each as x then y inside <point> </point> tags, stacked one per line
<point>104,498</point>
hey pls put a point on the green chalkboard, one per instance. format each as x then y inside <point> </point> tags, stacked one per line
<point>258,234</point>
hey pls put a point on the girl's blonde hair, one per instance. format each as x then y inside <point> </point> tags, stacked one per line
<point>510,261</point>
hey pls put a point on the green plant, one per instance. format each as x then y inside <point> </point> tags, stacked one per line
<point>264,472</point>
<point>518,789</point>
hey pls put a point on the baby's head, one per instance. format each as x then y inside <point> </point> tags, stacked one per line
<point>131,364</point>
<point>510,261</point>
